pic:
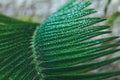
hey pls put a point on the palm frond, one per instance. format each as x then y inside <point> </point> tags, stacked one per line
<point>63,47</point>
<point>15,51</point>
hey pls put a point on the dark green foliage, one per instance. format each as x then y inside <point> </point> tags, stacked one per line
<point>15,51</point>
<point>61,48</point>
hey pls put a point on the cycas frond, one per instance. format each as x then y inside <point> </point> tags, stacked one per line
<point>15,51</point>
<point>62,48</point>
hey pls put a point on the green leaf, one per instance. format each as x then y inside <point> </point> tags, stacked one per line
<point>63,47</point>
<point>16,61</point>
<point>98,76</point>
